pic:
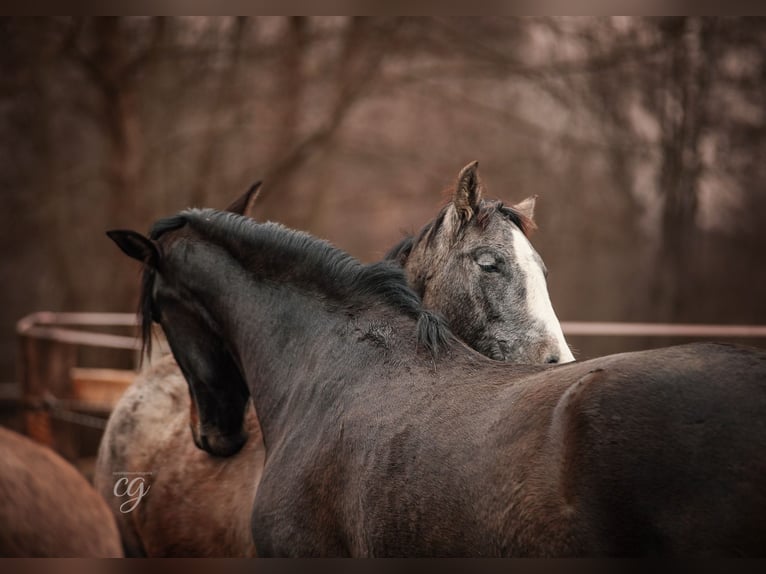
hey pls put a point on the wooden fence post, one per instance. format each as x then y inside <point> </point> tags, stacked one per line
<point>45,367</point>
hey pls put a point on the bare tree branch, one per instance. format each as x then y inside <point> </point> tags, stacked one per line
<point>350,92</point>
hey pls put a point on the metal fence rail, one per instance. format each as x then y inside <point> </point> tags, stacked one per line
<point>617,329</point>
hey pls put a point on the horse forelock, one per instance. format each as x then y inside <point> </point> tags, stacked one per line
<point>524,223</point>
<point>167,224</point>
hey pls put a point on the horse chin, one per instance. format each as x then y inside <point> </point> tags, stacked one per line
<point>218,444</point>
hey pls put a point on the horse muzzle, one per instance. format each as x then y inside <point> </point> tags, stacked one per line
<point>544,351</point>
<point>218,444</point>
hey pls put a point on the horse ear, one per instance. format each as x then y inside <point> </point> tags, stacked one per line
<point>527,207</point>
<point>135,245</point>
<point>468,191</point>
<point>244,203</point>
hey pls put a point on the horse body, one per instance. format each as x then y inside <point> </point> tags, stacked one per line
<point>490,310</point>
<point>383,441</point>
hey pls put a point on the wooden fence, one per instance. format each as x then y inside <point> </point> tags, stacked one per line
<point>65,405</point>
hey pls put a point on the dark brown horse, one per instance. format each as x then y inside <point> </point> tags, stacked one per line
<point>47,508</point>
<point>147,430</point>
<point>386,436</point>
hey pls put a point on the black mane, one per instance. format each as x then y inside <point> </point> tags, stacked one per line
<point>276,252</point>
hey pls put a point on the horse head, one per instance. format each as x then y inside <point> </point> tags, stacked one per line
<point>475,263</point>
<point>216,417</point>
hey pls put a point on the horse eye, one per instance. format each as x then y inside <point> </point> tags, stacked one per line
<point>488,262</point>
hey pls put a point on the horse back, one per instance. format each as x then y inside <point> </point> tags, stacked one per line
<point>654,452</point>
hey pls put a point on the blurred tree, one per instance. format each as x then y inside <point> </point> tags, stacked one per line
<point>642,137</point>
<point>680,97</point>
<point>227,95</point>
<point>112,53</point>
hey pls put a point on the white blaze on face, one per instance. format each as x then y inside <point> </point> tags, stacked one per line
<point>539,304</point>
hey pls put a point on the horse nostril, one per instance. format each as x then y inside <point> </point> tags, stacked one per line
<point>552,359</point>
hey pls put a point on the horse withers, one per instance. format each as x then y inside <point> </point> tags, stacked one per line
<point>388,437</point>
<point>495,315</point>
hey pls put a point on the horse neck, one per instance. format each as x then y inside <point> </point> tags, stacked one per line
<point>294,348</point>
